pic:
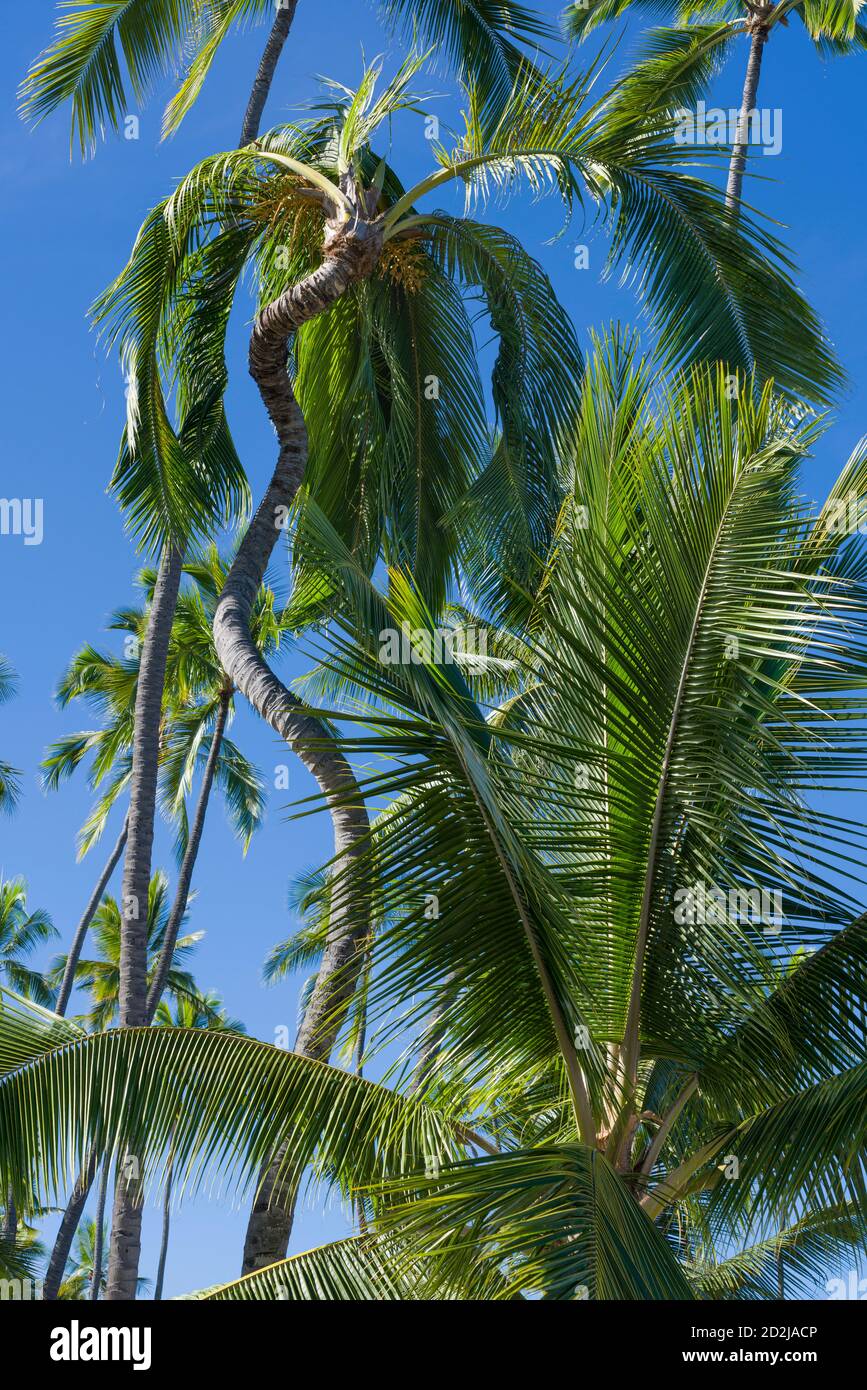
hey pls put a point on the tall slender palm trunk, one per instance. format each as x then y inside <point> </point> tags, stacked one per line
<point>81,930</point>
<point>185,877</point>
<point>758,38</point>
<point>80,1192</point>
<point>164,1241</point>
<point>349,256</point>
<point>125,1244</point>
<point>69,1225</point>
<point>126,1217</point>
<point>96,1282</point>
<point>267,68</point>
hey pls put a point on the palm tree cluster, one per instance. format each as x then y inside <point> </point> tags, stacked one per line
<point>588,919</point>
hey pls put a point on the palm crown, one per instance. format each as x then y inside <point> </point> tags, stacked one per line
<point>639,1074</point>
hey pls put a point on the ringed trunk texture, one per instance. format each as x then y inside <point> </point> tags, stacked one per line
<point>349,256</point>
<point>125,1245</point>
<point>179,907</point>
<point>267,67</point>
<point>81,930</point>
<point>758,39</point>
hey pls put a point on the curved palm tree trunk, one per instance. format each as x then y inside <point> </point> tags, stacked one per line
<point>349,256</point>
<point>758,39</point>
<point>179,907</point>
<point>96,1282</point>
<point>81,930</point>
<point>267,67</point>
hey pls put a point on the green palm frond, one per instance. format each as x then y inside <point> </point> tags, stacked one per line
<point>355,1132</point>
<point>558,1220</point>
<point>346,1271</point>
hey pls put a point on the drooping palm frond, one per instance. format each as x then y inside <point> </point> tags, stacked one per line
<point>100,45</point>
<point>356,1132</point>
<point>714,286</point>
<point>346,1271</point>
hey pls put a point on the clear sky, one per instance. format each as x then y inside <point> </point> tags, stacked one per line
<point>66,230</point>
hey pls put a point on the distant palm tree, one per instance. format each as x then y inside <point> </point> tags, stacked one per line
<point>99,975</point>
<point>678,64</point>
<point>10,777</point>
<point>82,1281</point>
<point>21,933</point>
<point>198,706</point>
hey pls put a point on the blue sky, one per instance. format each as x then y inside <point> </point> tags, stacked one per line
<point>66,229</point>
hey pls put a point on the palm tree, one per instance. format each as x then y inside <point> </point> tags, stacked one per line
<point>205,481</point>
<point>197,708</point>
<point>205,1011</point>
<point>650,1055</point>
<point>100,975</point>
<point>382,261</point>
<point>21,933</point>
<point>678,63</point>
<point>10,777</point>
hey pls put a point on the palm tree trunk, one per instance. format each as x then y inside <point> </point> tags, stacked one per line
<point>126,1217</point>
<point>182,894</point>
<point>81,930</point>
<point>97,1234</point>
<point>125,1245</point>
<point>758,39</point>
<point>81,1190</point>
<point>164,1243</point>
<point>267,68</point>
<point>349,257</point>
<point>68,1226</point>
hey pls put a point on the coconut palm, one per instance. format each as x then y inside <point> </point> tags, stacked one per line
<point>100,974</point>
<point>10,777</point>
<point>205,481</point>
<point>197,709</point>
<point>678,63</point>
<point>651,1058</point>
<point>21,933</point>
<point>372,234</point>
